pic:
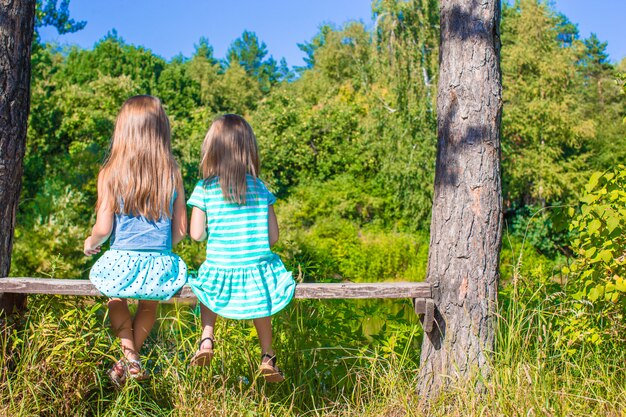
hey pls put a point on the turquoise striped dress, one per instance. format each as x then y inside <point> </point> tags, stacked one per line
<point>241,277</point>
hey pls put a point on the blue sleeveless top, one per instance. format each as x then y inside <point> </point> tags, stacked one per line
<point>138,233</point>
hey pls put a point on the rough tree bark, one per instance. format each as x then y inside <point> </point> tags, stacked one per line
<point>17,20</point>
<point>467,208</point>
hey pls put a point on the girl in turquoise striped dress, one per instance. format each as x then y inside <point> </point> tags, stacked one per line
<point>141,211</point>
<point>241,277</point>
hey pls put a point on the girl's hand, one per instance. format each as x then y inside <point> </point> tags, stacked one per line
<point>89,248</point>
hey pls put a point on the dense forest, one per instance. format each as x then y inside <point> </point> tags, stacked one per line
<point>348,144</point>
<point>347,141</point>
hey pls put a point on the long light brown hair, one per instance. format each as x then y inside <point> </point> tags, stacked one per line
<point>140,171</point>
<point>229,152</point>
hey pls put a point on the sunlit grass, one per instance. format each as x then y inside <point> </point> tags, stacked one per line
<point>56,366</point>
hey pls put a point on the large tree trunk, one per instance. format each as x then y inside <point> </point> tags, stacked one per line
<point>465,232</point>
<point>17,19</point>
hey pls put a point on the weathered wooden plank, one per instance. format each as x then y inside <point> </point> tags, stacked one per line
<point>48,286</point>
<point>305,290</point>
<point>364,290</point>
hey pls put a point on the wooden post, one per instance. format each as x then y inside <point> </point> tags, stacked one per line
<point>466,221</point>
<point>17,20</point>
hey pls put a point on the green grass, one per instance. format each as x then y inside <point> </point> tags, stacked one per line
<point>56,366</point>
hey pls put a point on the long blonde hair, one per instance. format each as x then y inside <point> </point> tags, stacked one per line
<point>229,152</point>
<point>140,171</point>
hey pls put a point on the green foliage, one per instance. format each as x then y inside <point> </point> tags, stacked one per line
<point>543,229</point>
<point>543,127</point>
<point>597,274</point>
<point>49,241</point>
<point>179,91</point>
<point>533,366</point>
<point>345,55</point>
<point>47,13</point>
<point>342,198</point>
<point>70,129</point>
<point>300,143</point>
<point>604,103</point>
<point>250,54</point>
<point>357,109</point>
<point>621,81</point>
<point>520,260</point>
<point>240,92</point>
<point>334,233</point>
<point>403,129</point>
<point>309,48</point>
<point>112,56</point>
<point>335,250</point>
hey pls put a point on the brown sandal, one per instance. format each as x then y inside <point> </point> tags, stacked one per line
<point>269,370</point>
<point>132,367</point>
<point>203,357</point>
<point>136,371</point>
<point>117,373</point>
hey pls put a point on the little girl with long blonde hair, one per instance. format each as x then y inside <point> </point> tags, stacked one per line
<point>241,277</point>
<point>141,209</point>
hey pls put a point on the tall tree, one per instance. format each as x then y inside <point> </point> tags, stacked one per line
<point>53,13</point>
<point>114,57</point>
<point>205,70</point>
<point>465,232</point>
<point>406,41</point>
<point>250,54</point>
<point>543,128</point>
<point>17,20</point>
<point>602,103</point>
<point>309,48</point>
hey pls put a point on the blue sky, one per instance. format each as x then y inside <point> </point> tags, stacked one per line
<point>172,27</point>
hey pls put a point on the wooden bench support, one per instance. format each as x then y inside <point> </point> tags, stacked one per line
<point>425,307</point>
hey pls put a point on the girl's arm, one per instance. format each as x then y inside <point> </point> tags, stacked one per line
<point>273,226</point>
<point>179,216</point>
<point>197,228</point>
<point>104,221</point>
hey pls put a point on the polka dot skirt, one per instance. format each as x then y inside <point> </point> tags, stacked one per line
<point>145,275</point>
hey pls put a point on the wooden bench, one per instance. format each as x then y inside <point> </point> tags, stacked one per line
<point>420,292</point>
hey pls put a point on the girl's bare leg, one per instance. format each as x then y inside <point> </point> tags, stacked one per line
<point>268,359</point>
<point>208,325</point>
<point>122,323</point>
<point>144,321</point>
<point>264,330</point>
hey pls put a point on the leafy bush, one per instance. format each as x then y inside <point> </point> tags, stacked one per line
<point>545,228</point>
<point>336,230</point>
<point>49,240</point>
<point>597,275</point>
